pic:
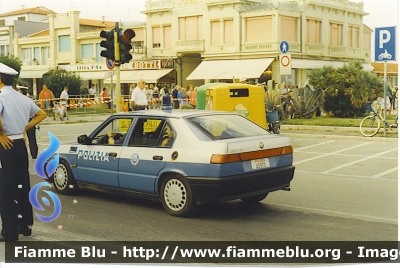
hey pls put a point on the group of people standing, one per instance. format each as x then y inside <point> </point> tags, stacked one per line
<point>144,97</point>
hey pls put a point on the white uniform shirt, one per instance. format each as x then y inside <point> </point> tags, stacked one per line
<point>15,110</point>
<point>64,97</point>
<point>139,96</point>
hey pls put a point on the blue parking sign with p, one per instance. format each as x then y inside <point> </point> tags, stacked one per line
<point>385,44</point>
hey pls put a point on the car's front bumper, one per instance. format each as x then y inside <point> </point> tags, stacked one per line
<point>209,190</point>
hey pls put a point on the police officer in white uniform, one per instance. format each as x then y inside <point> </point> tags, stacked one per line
<point>15,110</point>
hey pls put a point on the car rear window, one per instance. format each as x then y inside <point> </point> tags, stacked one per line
<point>219,127</point>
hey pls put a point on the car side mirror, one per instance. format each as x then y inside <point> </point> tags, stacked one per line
<point>83,139</point>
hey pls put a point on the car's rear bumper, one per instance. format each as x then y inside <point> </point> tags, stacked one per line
<point>209,190</point>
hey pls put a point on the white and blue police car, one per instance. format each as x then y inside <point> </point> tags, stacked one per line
<point>182,157</point>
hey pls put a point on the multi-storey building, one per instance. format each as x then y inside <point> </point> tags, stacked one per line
<point>198,41</point>
<point>22,23</point>
<point>318,32</point>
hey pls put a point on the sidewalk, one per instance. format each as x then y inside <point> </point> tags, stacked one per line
<point>76,118</point>
<point>292,130</point>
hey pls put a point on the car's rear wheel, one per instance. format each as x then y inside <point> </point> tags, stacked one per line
<point>254,199</point>
<point>63,179</point>
<point>177,197</point>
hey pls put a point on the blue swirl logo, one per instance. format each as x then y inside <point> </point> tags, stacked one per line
<point>35,202</point>
<point>45,165</point>
<point>47,161</point>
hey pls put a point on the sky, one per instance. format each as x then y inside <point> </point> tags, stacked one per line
<point>382,12</point>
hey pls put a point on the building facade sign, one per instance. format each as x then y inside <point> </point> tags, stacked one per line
<point>83,67</point>
<point>189,7</point>
<point>152,64</point>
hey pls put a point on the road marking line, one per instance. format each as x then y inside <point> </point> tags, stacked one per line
<point>347,175</point>
<point>332,153</point>
<point>357,161</point>
<point>352,155</point>
<point>313,145</point>
<point>340,213</point>
<point>385,172</point>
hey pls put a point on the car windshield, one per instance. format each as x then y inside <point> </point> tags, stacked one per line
<point>225,126</point>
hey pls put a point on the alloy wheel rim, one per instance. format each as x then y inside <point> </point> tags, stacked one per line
<point>175,195</point>
<point>61,177</point>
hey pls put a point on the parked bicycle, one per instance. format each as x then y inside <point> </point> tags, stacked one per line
<point>371,124</point>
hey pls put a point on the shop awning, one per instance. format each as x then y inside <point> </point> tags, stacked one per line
<point>94,75</point>
<point>230,69</point>
<point>133,76</point>
<point>313,64</point>
<point>32,73</point>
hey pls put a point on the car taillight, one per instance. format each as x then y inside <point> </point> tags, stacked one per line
<point>231,158</point>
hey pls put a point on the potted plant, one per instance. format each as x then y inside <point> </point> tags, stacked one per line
<point>272,100</point>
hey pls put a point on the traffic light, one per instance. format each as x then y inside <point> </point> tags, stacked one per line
<point>109,53</point>
<point>124,38</point>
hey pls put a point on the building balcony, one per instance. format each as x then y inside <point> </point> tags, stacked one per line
<point>139,49</point>
<point>34,62</point>
<point>157,5</point>
<point>190,46</point>
<point>337,51</point>
<point>268,47</point>
<point>257,47</point>
<point>315,49</point>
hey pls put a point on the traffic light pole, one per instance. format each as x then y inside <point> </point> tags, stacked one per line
<point>117,70</point>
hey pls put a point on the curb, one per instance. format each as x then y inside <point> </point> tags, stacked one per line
<point>338,137</point>
<point>334,136</point>
<point>320,128</point>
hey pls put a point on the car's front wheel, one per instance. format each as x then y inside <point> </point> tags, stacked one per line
<point>63,179</point>
<point>177,197</point>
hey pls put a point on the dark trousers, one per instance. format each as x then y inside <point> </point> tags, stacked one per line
<point>15,207</point>
<point>175,104</point>
<point>33,147</point>
<point>139,108</point>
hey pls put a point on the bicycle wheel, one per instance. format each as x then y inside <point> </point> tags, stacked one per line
<point>370,125</point>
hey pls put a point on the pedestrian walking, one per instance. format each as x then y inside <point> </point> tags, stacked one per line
<point>175,100</point>
<point>64,97</point>
<point>92,91</point>
<point>106,97</point>
<point>138,98</point>
<point>193,97</point>
<point>46,97</point>
<point>394,94</point>
<point>15,110</point>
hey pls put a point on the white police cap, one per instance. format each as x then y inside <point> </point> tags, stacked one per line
<point>4,69</point>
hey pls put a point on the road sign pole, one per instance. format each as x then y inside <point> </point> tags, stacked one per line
<point>117,70</point>
<point>384,95</point>
<point>112,95</point>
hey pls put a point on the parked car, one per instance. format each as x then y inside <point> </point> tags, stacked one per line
<point>182,157</point>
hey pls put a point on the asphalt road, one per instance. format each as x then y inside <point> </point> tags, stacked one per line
<point>343,190</point>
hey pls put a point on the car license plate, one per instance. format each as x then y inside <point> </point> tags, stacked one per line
<point>260,163</point>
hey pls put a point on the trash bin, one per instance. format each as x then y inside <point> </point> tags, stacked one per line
<point>272,116</point>
<point>368,107</point>
<point>201,96</point>
<point>244,99</point>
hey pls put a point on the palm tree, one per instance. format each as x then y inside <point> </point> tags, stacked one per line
<point>347,89</point>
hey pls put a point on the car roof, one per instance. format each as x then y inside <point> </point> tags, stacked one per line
<point>175,113</point>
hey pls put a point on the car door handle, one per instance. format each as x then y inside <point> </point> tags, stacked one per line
<point>157,157</point>
<point>112,154</point>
